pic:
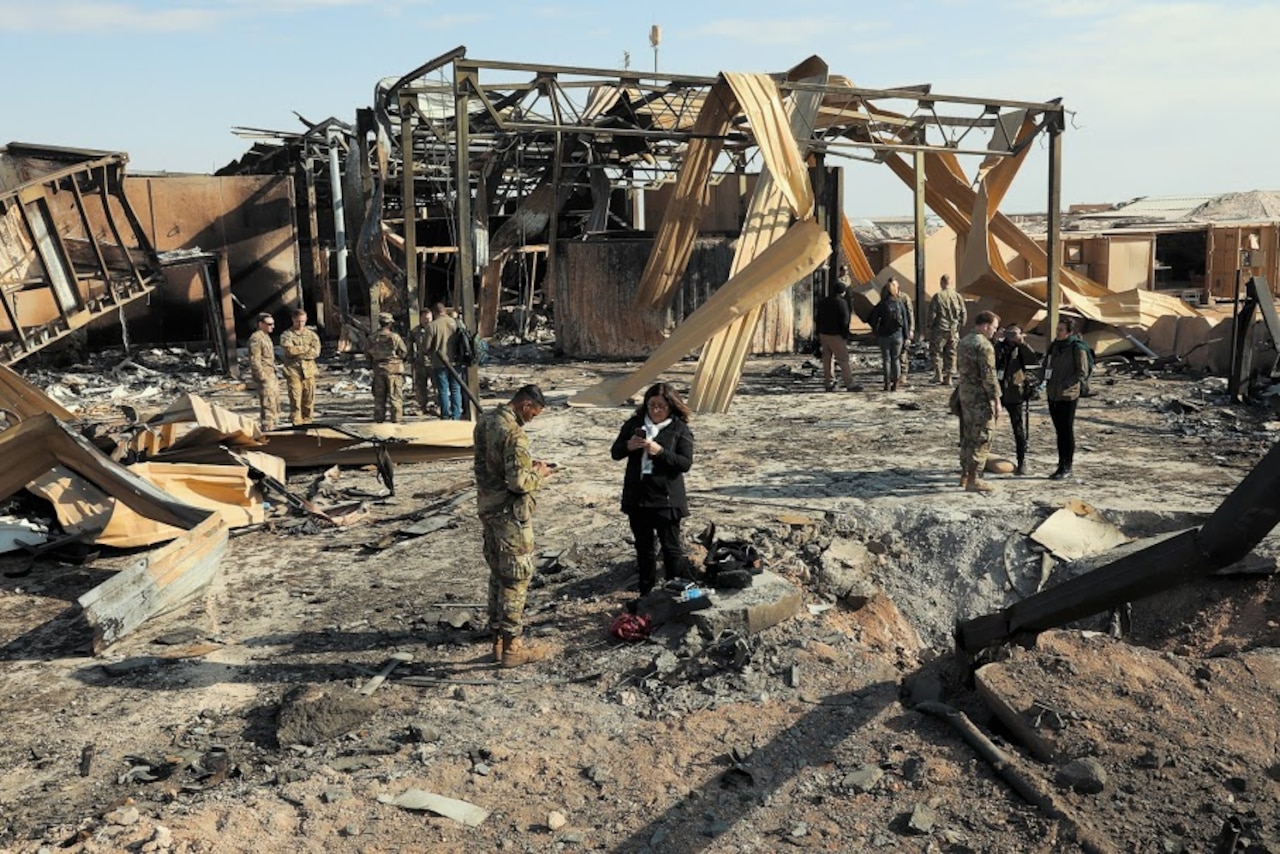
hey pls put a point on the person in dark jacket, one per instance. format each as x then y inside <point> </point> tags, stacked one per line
<point>892,327</point>
<point>1066,368</point>
<point>1014,360</point>
<point>832,322</point>
<point>658,446</point>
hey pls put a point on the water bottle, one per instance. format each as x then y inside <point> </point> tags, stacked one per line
<point>692,593</point>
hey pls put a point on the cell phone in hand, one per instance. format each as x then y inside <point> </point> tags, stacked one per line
<point>639,432</point>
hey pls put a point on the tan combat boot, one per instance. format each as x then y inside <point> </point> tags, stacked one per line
<point>964,478</point>
<point>516,651</point>
<point>976,484</point>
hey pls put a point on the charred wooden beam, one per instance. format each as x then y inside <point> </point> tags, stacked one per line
<point>1248,514</point>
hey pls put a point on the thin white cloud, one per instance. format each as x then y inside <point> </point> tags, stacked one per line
<point>52,15</point>
<point>764,31</point>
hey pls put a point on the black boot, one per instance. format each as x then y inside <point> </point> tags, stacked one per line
<point>1022,467</point>
<point>1058,473</point>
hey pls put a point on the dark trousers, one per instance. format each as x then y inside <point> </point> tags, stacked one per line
<point>1063,413</point>
<point>1018,418</point>
<point>656,528</point>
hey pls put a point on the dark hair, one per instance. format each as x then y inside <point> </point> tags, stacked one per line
<point>886,292</point>
<point>531,393</point>
<point>664,390</point>
<point>1067,322</point>
<point>265,316</point>
<point>439,309</point>
<point>985,317</point>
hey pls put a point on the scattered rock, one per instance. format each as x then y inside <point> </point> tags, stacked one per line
<point>556,820</point>
<point>1086,776</point>
<point>862,779</point>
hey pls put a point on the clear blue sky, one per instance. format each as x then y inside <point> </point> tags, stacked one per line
<point>1167,97</point>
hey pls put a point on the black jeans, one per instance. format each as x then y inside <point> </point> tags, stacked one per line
<point>1017,414</point>
<point>1063,413</point>
<point>656,528</point>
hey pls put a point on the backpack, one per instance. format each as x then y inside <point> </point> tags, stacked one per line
<point>467,348</point>
<point>889,318</point>
<point>1084,383</point>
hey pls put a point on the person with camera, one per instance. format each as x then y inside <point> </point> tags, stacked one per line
<point>1018,385</point>
<point>657,444</point>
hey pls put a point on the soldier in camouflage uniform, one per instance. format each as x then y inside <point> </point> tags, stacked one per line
<point>979,395</point>
<point>908,335</point>
<point>947,316</point>
<point>507,477</point>
<point>262,366</point>
<point>387,351</point>
<point>420,359</point>
<point>301,349</point>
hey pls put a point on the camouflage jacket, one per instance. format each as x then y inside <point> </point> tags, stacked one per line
<point>262,355</point>
<point>946,312</point>
<point>505,478</point>
<point>301,349</point>
<point>387,351</point>
<point>976,364</point>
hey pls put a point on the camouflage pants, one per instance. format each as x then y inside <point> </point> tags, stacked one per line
<point>268,401</point>
<point>942,352</point>
<point>508,549</point>
<point>302,396</point>
<point>422,387</point>
<point>976,423</point>
<point>388,392</point>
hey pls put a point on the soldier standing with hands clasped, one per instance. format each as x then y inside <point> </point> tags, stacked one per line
<point>262,366</point>
<point>301,349</point>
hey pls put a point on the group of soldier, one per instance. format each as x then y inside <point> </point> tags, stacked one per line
<point>301,348</point>
<point>989,376</point>
<point>427,351</point>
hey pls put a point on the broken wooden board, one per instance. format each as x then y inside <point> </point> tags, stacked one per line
<point>24,400</point>
<point>157,583</point>
<point>42,442</point>
<point>356,444</point>
<point>1070,534</point>
<point>190,421</point>
<point>720,363</point>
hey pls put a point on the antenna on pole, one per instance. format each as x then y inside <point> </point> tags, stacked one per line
<point>655,39</point>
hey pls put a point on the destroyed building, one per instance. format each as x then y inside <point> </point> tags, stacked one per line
<point>646,217</point>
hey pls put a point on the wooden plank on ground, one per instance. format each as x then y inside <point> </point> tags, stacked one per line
<point>158,582</point>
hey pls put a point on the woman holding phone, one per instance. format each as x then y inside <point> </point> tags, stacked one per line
<point>658,446</point>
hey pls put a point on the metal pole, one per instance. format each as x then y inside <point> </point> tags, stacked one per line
<point>339,220</point>
<point>464,271</point>
<point>918,159</point>
<point>1053,248</point>
<point>414,288</point>
<point>1233,381</point>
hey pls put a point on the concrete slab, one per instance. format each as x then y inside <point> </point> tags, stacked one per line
<point>768,601</point>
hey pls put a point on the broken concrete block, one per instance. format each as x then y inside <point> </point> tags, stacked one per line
<point>768,601</point>
<point>846,571</point>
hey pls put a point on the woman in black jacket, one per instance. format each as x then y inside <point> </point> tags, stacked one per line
<point>658,446</point>
<point>1066,369</point>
